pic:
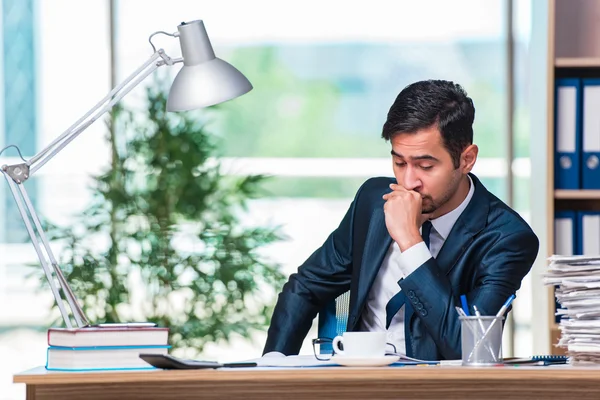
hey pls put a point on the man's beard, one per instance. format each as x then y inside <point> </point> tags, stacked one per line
<point>429,206</point>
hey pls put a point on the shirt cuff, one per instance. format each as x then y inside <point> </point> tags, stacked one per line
<point>412,258</point>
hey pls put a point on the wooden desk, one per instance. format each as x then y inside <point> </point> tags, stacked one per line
<point>313,383</point>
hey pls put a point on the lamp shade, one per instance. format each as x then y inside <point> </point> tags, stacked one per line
<point>204,80</point>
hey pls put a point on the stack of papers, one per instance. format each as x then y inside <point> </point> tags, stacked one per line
<point>577,281</point>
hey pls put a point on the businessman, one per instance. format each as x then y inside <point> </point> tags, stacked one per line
<point>409,247</point>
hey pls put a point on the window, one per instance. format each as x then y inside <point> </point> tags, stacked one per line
<point>324,75</point>
<point>18,104</point>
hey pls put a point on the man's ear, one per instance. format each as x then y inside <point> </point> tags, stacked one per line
<point>468,158</point>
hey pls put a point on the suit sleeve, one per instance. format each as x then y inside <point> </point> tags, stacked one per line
<point>325,275</point>
<point>499,275</point>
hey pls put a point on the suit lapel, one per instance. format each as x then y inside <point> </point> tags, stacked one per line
<point>377,243</point>
<point>457,242</point>
<point>472,220</point>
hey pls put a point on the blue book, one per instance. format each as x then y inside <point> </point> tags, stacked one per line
<point>100,358</point>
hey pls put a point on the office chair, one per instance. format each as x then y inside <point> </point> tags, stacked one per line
<point>333,320</point>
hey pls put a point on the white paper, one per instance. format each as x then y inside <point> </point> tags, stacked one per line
<point>577,279</point>
<point>290,361</point>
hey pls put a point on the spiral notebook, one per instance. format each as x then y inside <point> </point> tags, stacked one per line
<point>538,360</point>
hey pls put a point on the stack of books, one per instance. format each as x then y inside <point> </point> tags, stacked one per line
<point>104,348</point>
<point>577,282</point>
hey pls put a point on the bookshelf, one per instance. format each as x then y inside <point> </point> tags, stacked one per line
<point>577,62</point>
<point>576,194</point>
<point>573,50</point>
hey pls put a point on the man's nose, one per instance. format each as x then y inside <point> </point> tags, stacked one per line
<point>411,179</point>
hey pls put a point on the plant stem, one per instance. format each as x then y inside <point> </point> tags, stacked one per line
<point>115,183</point>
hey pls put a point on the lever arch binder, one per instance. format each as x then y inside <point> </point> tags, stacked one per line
<point>567,157</point>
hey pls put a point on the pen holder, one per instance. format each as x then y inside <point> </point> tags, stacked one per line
<point>481,340</point>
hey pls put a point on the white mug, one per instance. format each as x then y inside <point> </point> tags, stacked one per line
<point>360,344</point>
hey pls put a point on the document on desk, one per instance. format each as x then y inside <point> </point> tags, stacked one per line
<point>310,361</point>
<point>291,361</point>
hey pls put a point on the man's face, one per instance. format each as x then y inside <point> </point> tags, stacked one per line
<point>422,163</point>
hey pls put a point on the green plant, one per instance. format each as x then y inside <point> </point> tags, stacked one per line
<point>163,240</point>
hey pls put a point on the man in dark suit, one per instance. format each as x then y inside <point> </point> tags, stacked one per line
<point>409,247</point>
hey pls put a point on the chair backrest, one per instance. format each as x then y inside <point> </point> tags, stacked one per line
<point>333,319</point>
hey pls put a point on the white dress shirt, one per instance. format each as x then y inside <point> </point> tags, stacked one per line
<point>397,265</point>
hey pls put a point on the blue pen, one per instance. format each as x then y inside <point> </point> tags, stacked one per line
<point>505,306</point>
<point>465,306</point>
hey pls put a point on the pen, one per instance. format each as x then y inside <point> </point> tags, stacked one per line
<point>465,306</point>
<point>505,306</point>
<point>240,365</point>
<point>478,315</point>
<point>499,314</point>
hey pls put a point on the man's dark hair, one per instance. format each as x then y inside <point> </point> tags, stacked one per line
<point>422,104</point>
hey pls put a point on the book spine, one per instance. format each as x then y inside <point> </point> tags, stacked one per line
<point>100,348</point>
<point>100,369</point>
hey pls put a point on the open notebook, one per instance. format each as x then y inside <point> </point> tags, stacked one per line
<point>279,360</point>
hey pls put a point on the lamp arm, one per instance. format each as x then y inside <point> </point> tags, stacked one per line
<point>102,107</point>
<point>17,174</point>
<point>47,259</point>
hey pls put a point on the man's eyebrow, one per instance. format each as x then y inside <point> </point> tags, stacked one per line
<point>416,158</point>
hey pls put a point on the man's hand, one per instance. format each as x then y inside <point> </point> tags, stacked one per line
<point>403,216</point>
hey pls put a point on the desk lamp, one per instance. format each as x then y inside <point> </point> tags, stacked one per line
<point>204,80</point>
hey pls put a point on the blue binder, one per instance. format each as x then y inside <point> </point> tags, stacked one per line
<point>590,163</point>
<point>567,134</point>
